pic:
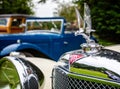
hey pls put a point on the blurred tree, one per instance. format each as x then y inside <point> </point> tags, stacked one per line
<point>16,6</point>
<point>67,11</point>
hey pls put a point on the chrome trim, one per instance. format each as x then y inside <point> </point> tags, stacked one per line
<point>104,61</point>
<point>29,75</point>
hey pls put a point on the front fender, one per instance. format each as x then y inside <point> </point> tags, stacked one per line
<point>19,46</point>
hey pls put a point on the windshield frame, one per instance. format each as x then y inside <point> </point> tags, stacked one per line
<point>52,20</point>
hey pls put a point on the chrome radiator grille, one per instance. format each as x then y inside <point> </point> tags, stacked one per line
<point>61,80</point>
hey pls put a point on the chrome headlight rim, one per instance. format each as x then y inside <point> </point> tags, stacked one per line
<point>25,71</point>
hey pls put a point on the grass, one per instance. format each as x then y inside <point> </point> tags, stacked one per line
<point>104,42</point>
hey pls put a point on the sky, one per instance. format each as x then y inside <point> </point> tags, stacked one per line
<point>47,9</point>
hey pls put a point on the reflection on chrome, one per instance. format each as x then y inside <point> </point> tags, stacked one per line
<point>104,61</point>
<point>18,73</point>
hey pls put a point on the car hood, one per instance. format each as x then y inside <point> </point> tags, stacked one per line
<point>103,64</point>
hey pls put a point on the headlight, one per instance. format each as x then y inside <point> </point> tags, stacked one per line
<point>18,73</point>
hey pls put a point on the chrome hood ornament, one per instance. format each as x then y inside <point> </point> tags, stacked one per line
<point>86,30</point>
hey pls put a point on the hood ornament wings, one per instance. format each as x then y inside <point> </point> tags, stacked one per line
<point>85,29</point>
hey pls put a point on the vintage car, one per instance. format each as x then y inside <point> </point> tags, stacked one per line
<point>10,23</point>
<point>35,36</point>
<point>18,73</point>
<point>92,67</point>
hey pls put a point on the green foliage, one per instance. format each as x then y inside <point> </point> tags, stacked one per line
<point>16,6</point>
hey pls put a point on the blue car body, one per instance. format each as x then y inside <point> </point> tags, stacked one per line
<point>51,44</point>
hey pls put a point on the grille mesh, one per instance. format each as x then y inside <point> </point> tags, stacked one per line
<point>60,80</point>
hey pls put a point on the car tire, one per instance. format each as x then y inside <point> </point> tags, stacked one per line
<point>26,54</point>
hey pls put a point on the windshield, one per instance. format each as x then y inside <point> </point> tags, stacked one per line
<point>53,25</point>
<point>3,21</point>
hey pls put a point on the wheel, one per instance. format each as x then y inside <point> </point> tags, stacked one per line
<point>26,54</point>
